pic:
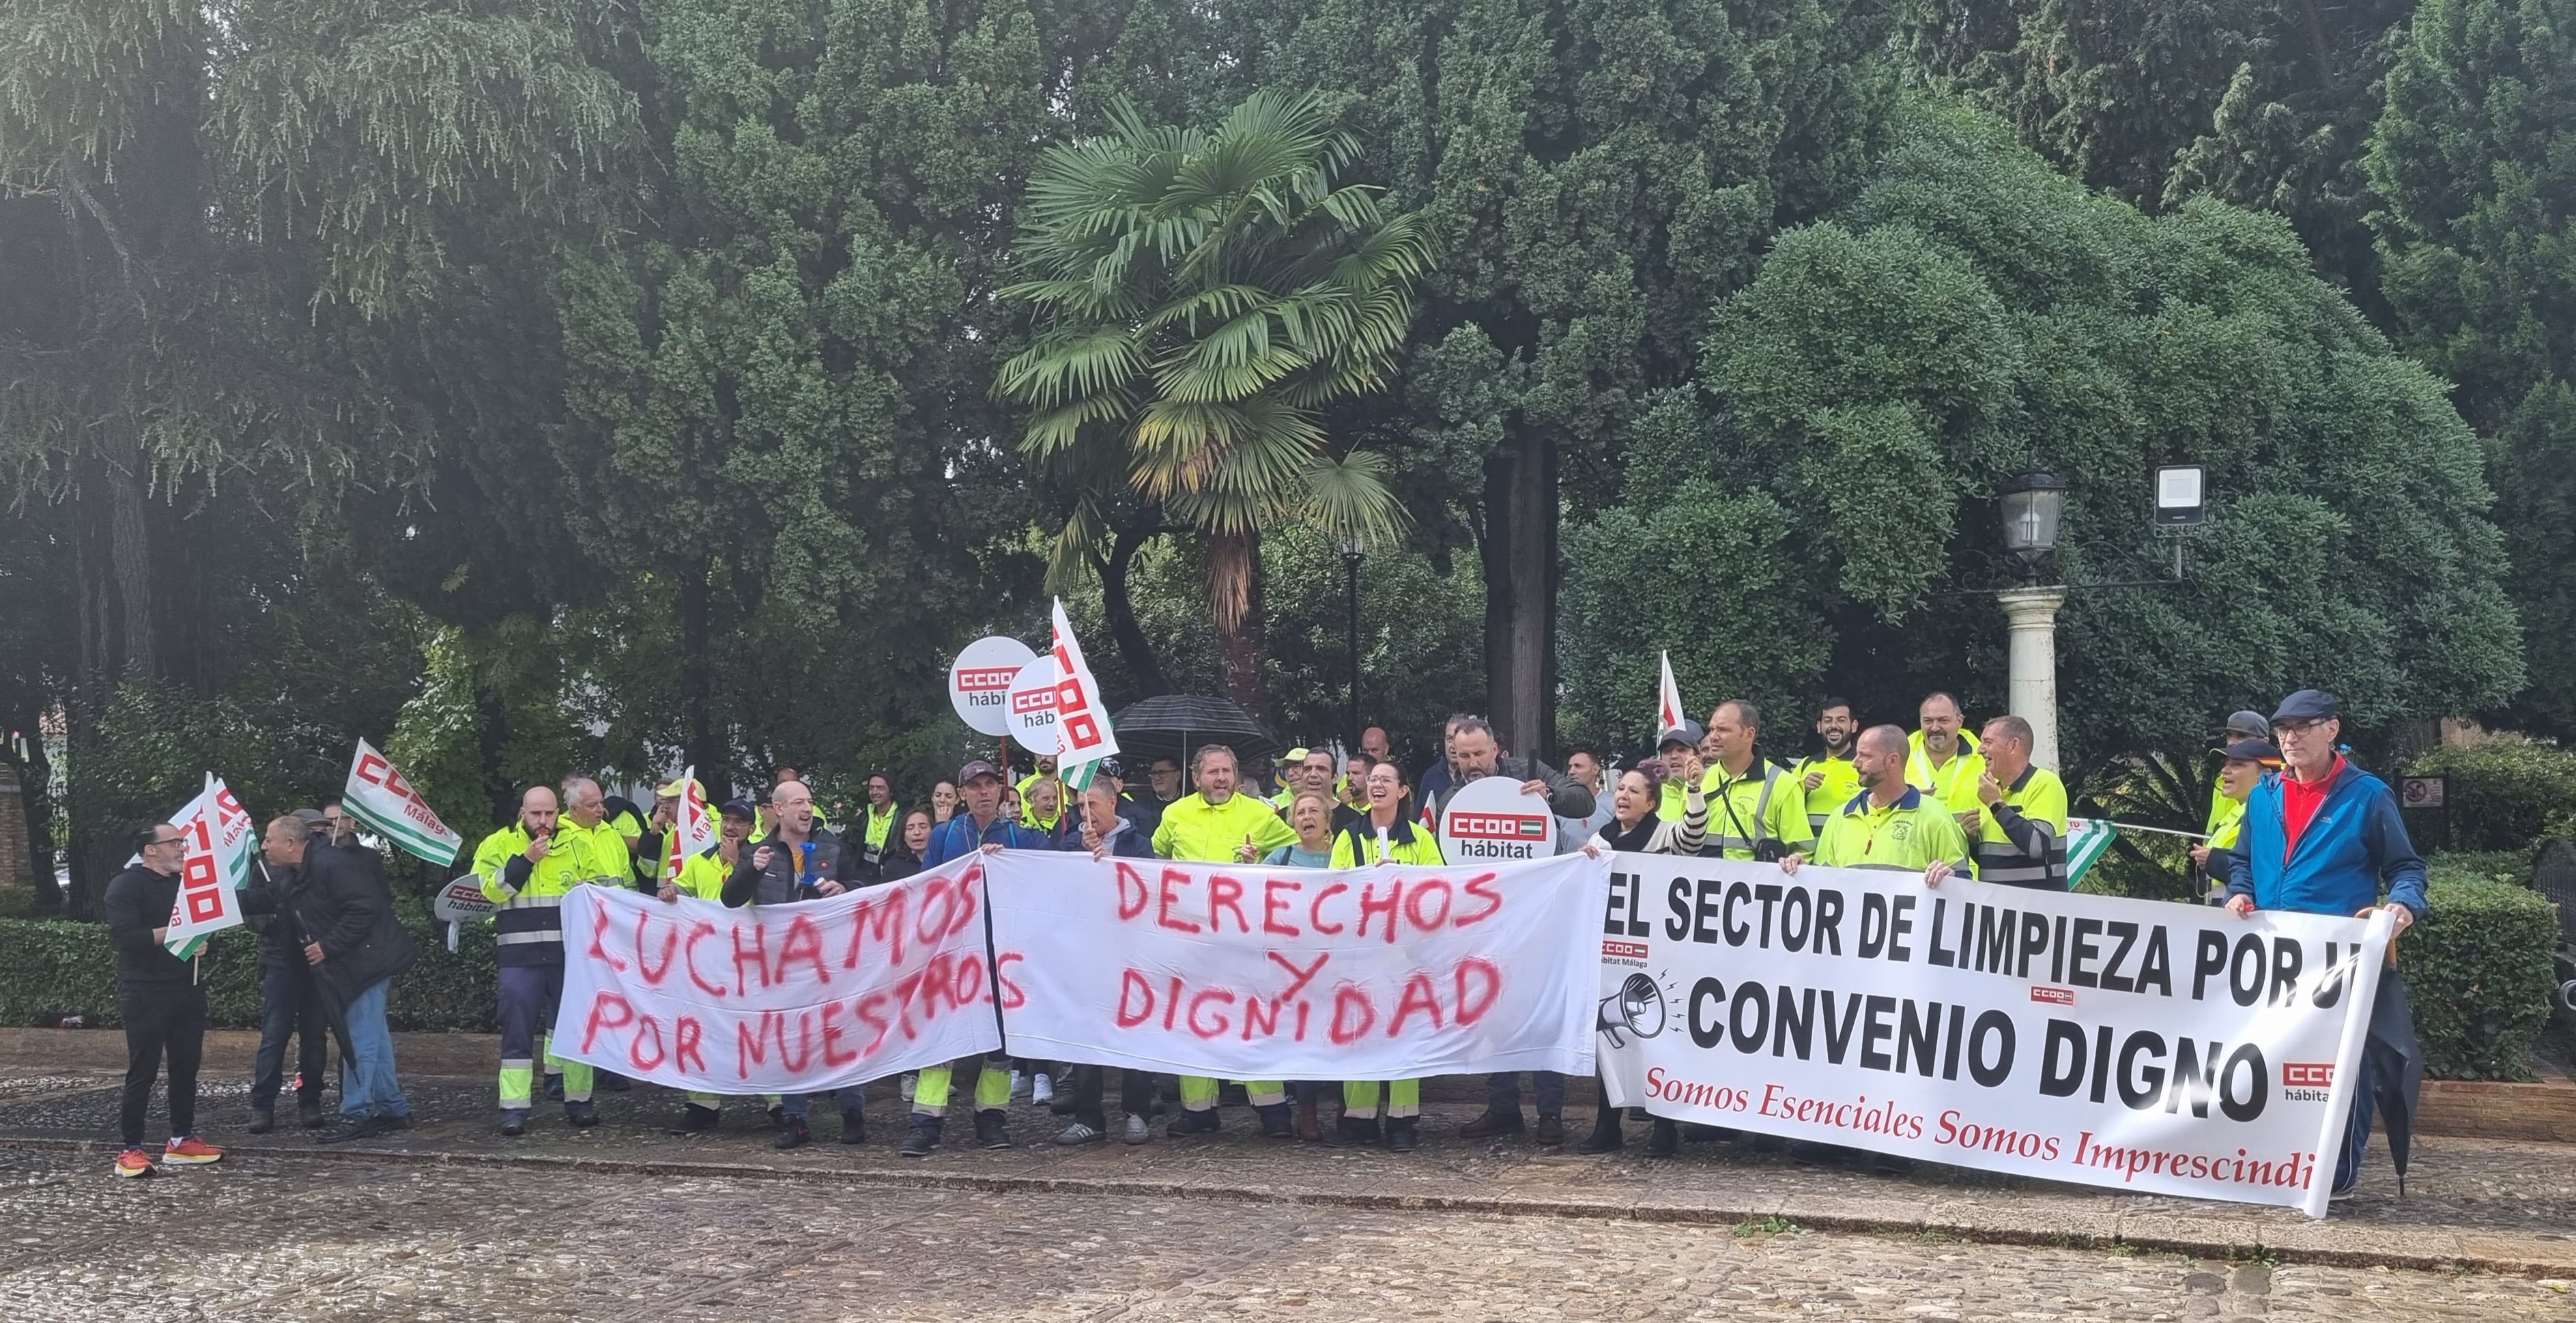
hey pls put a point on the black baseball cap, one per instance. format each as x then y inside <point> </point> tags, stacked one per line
<point>2249,724</point>
<point>737,808</point>
<point>2257,751</point>
<point>977,768</point>
<point>1688,732</point>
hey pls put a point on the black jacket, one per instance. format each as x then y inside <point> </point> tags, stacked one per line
<point>1565,799</point>
<point>776,885</point>
<point>138,901</point>
<point>342,902</point>
<point>267,902</point>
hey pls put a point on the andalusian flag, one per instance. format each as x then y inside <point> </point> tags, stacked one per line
<point>1668,700</point>
<point>2086,839</point>
<point>379,796</point>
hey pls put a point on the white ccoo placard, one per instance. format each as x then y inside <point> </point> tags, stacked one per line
<point>979,682</point>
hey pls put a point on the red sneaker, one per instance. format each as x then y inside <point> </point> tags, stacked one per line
<point>135,1162</point>
<point>190,1151</point>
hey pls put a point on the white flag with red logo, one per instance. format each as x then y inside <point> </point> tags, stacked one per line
<point>217,830</point>
<point>1668,700</point>
<point>693,829</point>
<point>1081,714</point>
<point>381,797</point>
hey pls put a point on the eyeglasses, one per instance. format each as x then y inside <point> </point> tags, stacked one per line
<point>170,840</point>
<point>2294,727</point>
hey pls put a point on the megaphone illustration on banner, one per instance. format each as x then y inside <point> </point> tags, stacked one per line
<point>1637,1007</point>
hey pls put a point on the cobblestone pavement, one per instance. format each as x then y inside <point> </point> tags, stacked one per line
<point>265,1235</point>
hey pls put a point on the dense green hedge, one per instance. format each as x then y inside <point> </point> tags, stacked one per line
<point>2502,794</point>
<point>50,968</point>
<point>2478,970</point>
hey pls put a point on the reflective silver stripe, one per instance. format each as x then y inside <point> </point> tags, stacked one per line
<point>1729,843</point>
<point>523,901</point>
<point>518,1063</point>
<point>530,937</point>
<point>1816,823</point>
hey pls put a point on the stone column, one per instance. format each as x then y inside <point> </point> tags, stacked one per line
<point>2031,616</point>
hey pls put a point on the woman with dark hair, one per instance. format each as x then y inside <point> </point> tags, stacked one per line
<point>943,801</point>
<point>902,857</point>
<point>1634,826</point>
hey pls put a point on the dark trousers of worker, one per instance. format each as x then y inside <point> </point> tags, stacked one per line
<point>290,1007</point>
<point>1091,1087</point>
<point>164,1021</point>
<point>1503,1092</point>
<point>2390,1044</point>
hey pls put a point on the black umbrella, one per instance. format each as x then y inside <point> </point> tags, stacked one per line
<point>2395,1065</point>
<point>1176,725</point>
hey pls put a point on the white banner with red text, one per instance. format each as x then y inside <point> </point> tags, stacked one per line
<point>2133,1044</point>
<point>1246,972</point>
<point>780,998</point>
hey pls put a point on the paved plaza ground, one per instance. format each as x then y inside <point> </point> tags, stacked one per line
<point>451,1221</point>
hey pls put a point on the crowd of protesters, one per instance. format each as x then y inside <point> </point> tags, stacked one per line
<point>2292,825</point>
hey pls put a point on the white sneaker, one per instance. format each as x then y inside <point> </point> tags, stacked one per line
<point>904,1086</point>
<point>1137,1131</point>
<point>1042,1089</point>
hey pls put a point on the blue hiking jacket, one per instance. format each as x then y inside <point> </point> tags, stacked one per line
<point>957,838</point>
<point>2356,842</point>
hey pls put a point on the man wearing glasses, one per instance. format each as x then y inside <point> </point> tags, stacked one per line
<point>2320,837</point>
<point>162,1000</point>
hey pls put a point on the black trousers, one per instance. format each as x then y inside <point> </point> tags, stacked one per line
<point>161,1020</point>
<point>1091,1086</point>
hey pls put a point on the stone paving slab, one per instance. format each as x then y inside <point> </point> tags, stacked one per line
<point>2496,1206</point>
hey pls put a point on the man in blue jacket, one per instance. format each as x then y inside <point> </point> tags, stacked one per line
<point>2321,837</point>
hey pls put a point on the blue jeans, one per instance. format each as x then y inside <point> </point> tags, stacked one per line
<point>1503,1092</point>
<point>289,1006</point>
<point>370,1088</point>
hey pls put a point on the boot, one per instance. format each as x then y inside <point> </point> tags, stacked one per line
<point>1274,1121</point>
<point>514,1121</point>
<point>696,1120</point>
<point>1310,1127</point>
<point>308,1113</point>
<point>262,1121</point>
<point>1664,1140</point>
<point>1492,1123</point>
<point>1551,1130</point>
<point>581,1115</point>
<point>1193,1123</point>
<point>1403,1134</point>
<point>1355,1130</point>
<point>990,1131</point>
<point>791,1135</point>
<point>854,1126</point>
<point>1606,1136</point>
<point>923,1137</point>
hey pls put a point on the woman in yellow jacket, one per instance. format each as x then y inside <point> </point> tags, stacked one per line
<point>1385,835</point>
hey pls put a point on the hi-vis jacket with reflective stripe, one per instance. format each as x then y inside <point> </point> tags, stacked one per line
<point>1904,837</point>
<point>1762,804</point>
<point>2023,838</point>
<point>528,930</point>
<point>1359,845</point>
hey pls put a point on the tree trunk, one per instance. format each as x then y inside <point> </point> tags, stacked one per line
<point>1520,562</point>
<point>698,739</point>
<point>1134,648</point>
<point>495,736</point>
<point>1239,649</point>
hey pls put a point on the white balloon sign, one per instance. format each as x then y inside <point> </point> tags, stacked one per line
<point>1032,707</point>
<point>979,682</point>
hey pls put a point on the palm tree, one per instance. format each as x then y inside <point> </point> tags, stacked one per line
<point>1199,297</point>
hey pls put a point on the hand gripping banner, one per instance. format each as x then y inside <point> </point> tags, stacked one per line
<point>2133,1044</point>
<point>1246,972</point>
<point>783,998</point>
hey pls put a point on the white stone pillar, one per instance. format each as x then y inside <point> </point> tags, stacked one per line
<point>2031,616</point>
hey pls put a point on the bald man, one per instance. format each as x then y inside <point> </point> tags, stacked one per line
<point>527,868</point>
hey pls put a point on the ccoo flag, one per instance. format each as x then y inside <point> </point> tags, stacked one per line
<point>217,830</point>
<point>693,832</point>
<point>1668,700</point>
<point>1081,718</point>
<point>380,796</point>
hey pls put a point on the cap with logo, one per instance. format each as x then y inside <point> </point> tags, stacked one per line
<point>976,768</point>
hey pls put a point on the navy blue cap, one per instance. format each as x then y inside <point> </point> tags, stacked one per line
<point>2307,705</point>
<point>737,808</point>
<point>2254,751</point>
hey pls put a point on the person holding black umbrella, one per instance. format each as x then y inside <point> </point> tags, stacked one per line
<point>354,946</point>
<point>2322,836</point>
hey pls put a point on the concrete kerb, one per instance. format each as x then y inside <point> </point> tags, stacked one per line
<point>1513,1206</point>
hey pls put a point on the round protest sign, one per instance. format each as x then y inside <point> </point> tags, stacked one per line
<point>1492,819</point>
<point>461,901</point>
<point>1032,708</point>
<point>979,682</point>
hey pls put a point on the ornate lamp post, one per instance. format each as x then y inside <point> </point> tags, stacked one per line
<point>1353,552</point>
<point>2032,504</point>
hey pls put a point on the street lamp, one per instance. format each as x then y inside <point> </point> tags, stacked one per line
<point>2032,503</point>
<point>1354,550</point>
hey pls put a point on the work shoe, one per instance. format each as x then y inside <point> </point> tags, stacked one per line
<point>1274,1121</point>
<point>350,1127</point>
<point>1355,1130</point>
<point>581,1115</point>
<point>1664,1140</point>
<point>1080,1132</point>
<point>1551,1130</point>
<point>190,1151</point>
<point>554,1088</point>
<point>1606,1136</point>
<point>923,1137</point>
<point>308,1113</point>
<point>135,1162</point>
<point>262,1120</point>
<point>1403,1134</point>
<point>990,1132</point>
<point>1492,1123</point>
<point>1190,1122</point>
<point>386,1125</point>
<point>695,1120</point>
<point>854,1126</point>
<point>514,1121</point>
<point>791,1135</point>
<point>1310,1127</point>
<point>778,1116</point>
<point>1138,1130</point>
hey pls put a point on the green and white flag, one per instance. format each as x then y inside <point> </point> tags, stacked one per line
<point>2086,839</point>
<point>217,830</point>
<point>379,796</point>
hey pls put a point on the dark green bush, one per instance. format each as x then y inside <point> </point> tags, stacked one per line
<point>2502,794</point>
<point>2478,970</point>
<point>50,968</point>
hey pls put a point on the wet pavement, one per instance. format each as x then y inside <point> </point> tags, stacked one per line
<point>451,1220</point>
